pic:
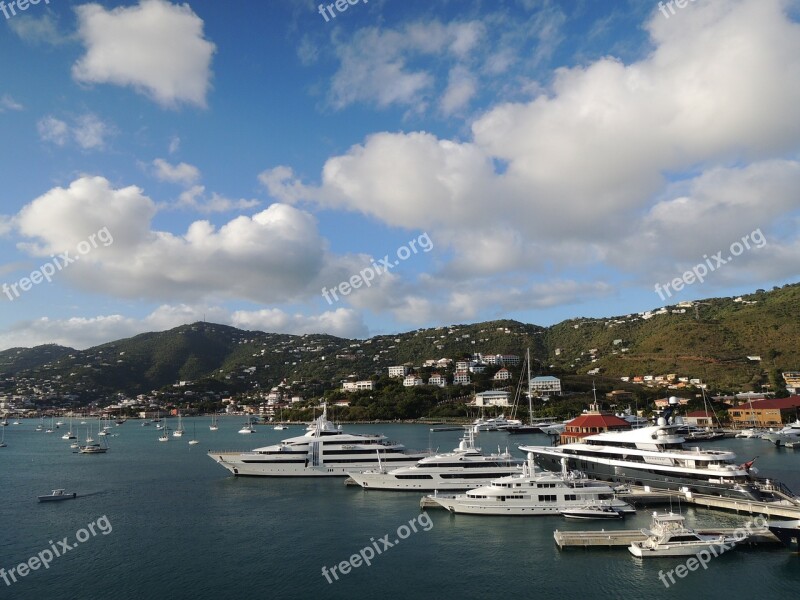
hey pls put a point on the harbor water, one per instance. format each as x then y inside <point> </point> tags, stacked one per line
<point>170,523</point>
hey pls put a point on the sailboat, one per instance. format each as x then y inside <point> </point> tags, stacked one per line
<point>164,437</point>
<point>92,448</point>
<point>179,431</point>
<point>69,435</point>
<point>52,425</point>
<point>530,427</point>
<point>247,427</point>
<point>194,441</point>
<point>4,422</point>
<point>280,426</point>
<point>213,426</point>
<point>3,440</point>
<point>101,430</point>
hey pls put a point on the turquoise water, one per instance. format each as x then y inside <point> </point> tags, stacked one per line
<point>183,528</point>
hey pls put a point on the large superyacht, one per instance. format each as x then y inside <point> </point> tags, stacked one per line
<point>655,456</point>
<point>463,468</point>
<point>323,451</point>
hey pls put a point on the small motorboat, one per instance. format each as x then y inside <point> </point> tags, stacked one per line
<point>92,449</point>
<point>596,511</point>
<point>57,496</point>
<point>669,536</point>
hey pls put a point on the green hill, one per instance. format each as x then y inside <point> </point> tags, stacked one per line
<point>709,340</point>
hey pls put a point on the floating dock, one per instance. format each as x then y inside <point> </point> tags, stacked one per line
<point>622,538</point>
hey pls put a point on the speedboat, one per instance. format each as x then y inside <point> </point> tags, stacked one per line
<point>533,493</point>
<point>462,469</point>
<point>669,536</point>
<point>57,496</point>
<point>324,450</point>
<point>790,433</point>
<point>592,511</point>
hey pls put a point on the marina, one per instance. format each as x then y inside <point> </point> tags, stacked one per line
<point>625,537</point>
<point>153,477</point>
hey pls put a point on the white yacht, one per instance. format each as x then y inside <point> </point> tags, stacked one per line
<point>653,456</point>
<point>553,428</point>
<point>247,427</point>
<point>462,469</point>
<point>669,536</point>
<point>790,433</point>
<point>323,451</point>
<point>534,493</point>
<point>179,431</point>
<point>499,423</point>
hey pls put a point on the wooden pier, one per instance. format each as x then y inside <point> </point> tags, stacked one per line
<point>622,538</point>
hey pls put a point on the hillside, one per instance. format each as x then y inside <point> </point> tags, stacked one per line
<point>710,340</point>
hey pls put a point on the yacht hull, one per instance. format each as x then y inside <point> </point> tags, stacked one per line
<point>474,506</point>
<point>234,463</point>
<point>388,481</point>
<point>656,479</point>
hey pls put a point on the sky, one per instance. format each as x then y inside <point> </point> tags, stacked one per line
<point>292,167</point>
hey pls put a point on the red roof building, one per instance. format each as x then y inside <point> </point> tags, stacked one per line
<point>765,413</point>
<point>591,423</point>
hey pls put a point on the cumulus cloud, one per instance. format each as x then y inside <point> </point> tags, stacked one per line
<point>37,30</point>
<point>196,199</point>
<point>276,255</point>
<point>155,47</point>
<point>597,146</point>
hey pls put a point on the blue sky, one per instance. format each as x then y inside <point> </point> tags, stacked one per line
<point>232,159</point>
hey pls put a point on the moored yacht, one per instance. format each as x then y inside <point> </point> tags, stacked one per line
<point>534,493</point>
<point>463,468</point>
<point>653,456</point>
<point>790,433</point>
<point>669,536</point>
<point>499,423</point>
<point>323,451</point>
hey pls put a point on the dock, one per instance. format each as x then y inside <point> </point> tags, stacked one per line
<point>622,538</point>
<point>788,507</point>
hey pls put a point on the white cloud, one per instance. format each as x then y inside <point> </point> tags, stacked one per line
<point>53,130</point>
<point>174,144</point>
<point>88,131</point>
<point>276,255</point>
<point>8,103</point>
<point>182,173</point>
<point>196,199</point>
<point>374,65</point>
<point>37,30</point>
<point>461,87</point>
<point>156,47</point>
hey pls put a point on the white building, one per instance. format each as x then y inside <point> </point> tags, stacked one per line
<point>412,380</point>
<point>546,385</point>
<point>400,371</point>
<point>492,398</point>
<point>358,386</point>
<point>461,378</point>
<point>502,375</point>
<point>437,379</point>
